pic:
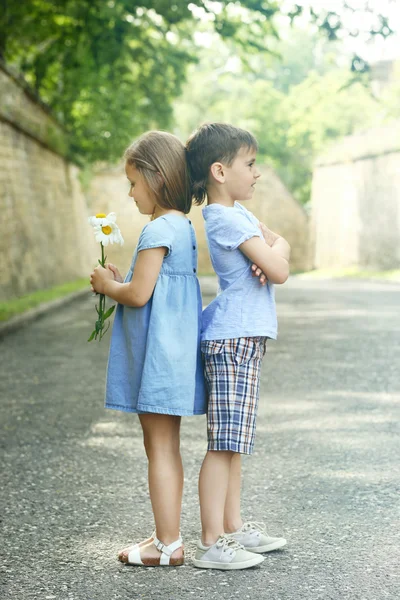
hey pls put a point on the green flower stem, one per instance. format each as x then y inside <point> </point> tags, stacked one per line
<point>102,316</point>
<point>102,302</point>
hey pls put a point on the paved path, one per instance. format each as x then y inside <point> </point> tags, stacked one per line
<point>325,471</point>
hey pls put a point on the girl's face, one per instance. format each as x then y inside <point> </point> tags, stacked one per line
<point>139,191</point>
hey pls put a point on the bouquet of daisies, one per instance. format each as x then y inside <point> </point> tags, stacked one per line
<point>106,232</point>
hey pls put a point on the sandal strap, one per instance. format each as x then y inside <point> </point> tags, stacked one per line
<point>134,556</point>
<point>167,551</point>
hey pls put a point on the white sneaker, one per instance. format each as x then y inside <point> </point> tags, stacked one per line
<point>253,537</point>
<point>226,554</point>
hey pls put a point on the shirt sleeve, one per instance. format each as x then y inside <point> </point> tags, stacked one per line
<point>157,234</point>
<point>233,231</point>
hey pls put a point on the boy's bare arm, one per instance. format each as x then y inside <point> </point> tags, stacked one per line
<point>277,243</point>
<point>269,236</point>
<point>282,248</point>
<point>268,258</point>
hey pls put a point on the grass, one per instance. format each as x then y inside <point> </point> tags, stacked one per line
<point>18,306</point>
<point>351,273</point>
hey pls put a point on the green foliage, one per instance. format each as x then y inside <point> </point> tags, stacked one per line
<point>294,112</point>
<point>391,96</point>
<point>110,69</point>
<point>322,109</point>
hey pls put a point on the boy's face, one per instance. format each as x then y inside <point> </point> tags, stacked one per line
<point>242,175</point>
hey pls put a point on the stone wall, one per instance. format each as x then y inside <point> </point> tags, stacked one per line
<point>272,204</point>
<point>108,192</point>
<point>356,202</point>
<point>45,239</point>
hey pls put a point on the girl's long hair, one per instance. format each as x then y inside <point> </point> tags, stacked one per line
<point>160,158</point>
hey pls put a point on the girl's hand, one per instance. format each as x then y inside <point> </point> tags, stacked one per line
<point>256,272</point>
<point>99,278</point>
<point>117,275</point>
<point>269,236</point>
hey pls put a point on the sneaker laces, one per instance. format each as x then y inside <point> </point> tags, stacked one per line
<point>228,545</point>
<point>254,526</point>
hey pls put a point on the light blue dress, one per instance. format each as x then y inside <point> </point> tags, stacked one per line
<point>155,363</point>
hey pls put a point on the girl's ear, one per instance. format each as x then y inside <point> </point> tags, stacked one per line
<point>217,171</point>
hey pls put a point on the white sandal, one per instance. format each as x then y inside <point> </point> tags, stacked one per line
<point>164,560</point>
<point>123,554</point>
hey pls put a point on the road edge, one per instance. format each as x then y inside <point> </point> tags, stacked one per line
<point>27,317</point>
<point>208,286</point>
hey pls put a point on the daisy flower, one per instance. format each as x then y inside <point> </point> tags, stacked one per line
<point>106,230</point>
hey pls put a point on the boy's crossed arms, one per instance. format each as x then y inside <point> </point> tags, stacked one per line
<point>270,264</point>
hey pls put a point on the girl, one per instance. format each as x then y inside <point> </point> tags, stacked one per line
<point>155,367</point>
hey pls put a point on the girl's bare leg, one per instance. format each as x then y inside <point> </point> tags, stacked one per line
<point>213,488</point>
<point>232,518</point>
<point>165,473</point>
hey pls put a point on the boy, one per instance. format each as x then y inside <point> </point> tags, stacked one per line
<point>235,329</point>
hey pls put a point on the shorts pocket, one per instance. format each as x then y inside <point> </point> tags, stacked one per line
<point>263,346</point>
<point>245,350</point>
<point>213,356</point>
<point>212,346</point>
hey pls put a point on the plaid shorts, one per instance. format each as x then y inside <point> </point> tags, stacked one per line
<point>232,373</point>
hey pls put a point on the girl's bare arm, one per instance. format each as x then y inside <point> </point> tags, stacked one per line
<point>140,289</point>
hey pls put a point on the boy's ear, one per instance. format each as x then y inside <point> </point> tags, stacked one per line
<point>217,171</point>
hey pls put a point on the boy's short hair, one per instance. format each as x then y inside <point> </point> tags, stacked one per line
<point>213,142</point>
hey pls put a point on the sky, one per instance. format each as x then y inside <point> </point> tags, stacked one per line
<point>370,50</point>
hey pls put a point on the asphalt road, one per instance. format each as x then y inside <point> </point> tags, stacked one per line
<point>325,472</point>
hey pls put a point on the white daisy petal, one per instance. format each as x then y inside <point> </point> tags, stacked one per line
<point>112,235</point>
<point>98,237</point>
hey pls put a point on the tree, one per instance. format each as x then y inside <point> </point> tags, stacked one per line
<point>110,69</point>
<point>294,115</point>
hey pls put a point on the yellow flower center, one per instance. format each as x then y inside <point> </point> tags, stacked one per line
<point>106,230</point>
<point>100,216</point>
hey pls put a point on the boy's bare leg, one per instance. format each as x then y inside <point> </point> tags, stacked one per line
<point>232,518</point>
<point>213,488</point>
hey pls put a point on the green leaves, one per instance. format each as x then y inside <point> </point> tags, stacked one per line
<point>102,316</point>
<point>295,106</point>
<point>110,70</point>
<point>109,312</point>
<point>99,330</point>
